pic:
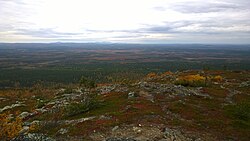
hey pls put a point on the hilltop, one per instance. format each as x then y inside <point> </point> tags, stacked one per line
<point>187,105</point>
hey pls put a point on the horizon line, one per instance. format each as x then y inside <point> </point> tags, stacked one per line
<point>125,43</point>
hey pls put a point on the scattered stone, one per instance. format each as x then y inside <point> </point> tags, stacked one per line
<point>221,86</point>
<point>120,139</point>
<point>115,128</point>
<point>37,122</point>
<point>18,104</point>
<point>24,130</point>
<point>3,99</point>
<point>63,131</point>
<point>137,130</point>
<point>142,138</point>
<point>229,97</point>
<point>41,110</point>
<point>106,117</point>
<point>171,89</point>
<point>245,84</point>
<point>121,89</point>
<point>106,89</point>
<point>174,135</point>
<point>146,95</point>
<point>78,120</point>
<point>131,94</point>
<point>33,137</point>
<point>23,115</point>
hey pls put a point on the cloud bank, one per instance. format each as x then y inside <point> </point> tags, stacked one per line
<point>130,21</point>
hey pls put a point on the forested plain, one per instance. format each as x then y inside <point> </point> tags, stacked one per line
<point>26,64</point>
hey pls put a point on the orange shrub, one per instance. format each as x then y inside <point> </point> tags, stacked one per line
<point>167,73</point>
<point>151,75</point>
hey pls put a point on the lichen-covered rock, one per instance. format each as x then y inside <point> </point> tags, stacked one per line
<point>63,131</point>
<point>24,115</point>
<point>245,84</point>
<point>131,94</point>
<point>120,139</point>
<point>33,137</point>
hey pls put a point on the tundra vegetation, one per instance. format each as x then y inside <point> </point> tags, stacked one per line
<point>184,104</point>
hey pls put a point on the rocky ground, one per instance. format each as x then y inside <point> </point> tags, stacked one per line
<point>152,109</point>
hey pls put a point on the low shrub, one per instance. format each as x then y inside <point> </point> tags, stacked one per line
<point>217,78</point>
<point>40,103</point>
<point>191,80</point>
<point>76,108</point>
<point>151,75</point>
<point>9,127</point>
<point>87,82</point>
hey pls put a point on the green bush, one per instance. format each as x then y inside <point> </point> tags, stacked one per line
<point>87,83</point>
<point>81,107</point>
<point>68,91</point>
<point>40,103</point>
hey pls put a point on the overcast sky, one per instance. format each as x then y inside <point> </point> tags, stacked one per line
<point>126,21</point>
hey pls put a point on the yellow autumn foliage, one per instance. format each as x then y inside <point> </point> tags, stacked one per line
<point>9,128</point>
<point>191,80</point>
<point>33,127</point>
<point>217,78</point>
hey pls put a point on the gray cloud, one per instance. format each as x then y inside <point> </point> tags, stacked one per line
<point>216,26</point>
<point>205,7</point>
<point>202,7</point>
<point>168,27</point>
<point>44,33</point>
<point>213,20</point>
<point>129,36</point>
